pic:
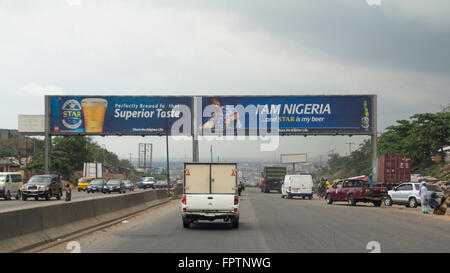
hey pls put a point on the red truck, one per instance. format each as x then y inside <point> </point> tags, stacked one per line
<point>355,190</point>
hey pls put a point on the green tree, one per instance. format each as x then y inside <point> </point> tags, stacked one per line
<point>396,139</point>
<point>432,133</point>
<point>422,137</point>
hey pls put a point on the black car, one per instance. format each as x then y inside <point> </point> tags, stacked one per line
<point>43,186</point>
<point>129,185</point>
<point>96,185</point>
<point>114,185</point>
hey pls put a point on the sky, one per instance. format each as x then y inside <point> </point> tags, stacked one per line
<point>397,49</point>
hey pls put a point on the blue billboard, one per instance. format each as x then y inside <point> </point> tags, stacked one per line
<point>287,114</point>
<point>103,115</point>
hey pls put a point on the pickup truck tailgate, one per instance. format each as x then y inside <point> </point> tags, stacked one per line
<point>209,202</point>
<point>375,192</point>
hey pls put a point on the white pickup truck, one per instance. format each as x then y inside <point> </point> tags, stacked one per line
<point>210,193</point>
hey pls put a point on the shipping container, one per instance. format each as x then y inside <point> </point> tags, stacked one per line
<point>394,169</point>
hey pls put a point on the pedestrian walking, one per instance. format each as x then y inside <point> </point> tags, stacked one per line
<point>424,197</point>
<point>68,192</point>
<point>322,189</point>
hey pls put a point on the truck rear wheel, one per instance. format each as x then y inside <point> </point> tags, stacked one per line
<point>186,222</point>
<point>235,223</point>
<point>351,200</point>
<point>377,203</point>
<point>329,199</point>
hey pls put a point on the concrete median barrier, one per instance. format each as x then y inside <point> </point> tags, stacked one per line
<point>19,228</point>
<point>68,218</point>
<point>27,228</point>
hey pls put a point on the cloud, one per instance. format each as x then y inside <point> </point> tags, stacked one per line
<point>38,90</point>
<point>433,12</point>
<point>103,49</point>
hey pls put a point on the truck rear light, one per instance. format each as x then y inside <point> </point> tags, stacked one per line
<point>289,188</point>
<point>184,209</point>
<point>236,200</point>
<point>183,199</point>
<point>235,210</point>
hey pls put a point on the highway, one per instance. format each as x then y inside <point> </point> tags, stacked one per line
<point>13,204</point>
<point>271,224</point>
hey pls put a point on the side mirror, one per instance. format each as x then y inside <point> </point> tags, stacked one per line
<point>334,186</point>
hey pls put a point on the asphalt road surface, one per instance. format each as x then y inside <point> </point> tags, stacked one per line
<point>271,224</point>
<point>13,204</point>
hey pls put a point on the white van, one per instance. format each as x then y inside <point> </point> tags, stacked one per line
<point>10,184</point>
<point>210,193</point>
<point>297,185</point>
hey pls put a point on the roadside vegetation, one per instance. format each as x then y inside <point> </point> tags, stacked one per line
<point>69,153</point>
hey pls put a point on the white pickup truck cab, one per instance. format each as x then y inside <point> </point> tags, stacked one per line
<point>297,185</point>
<point>210,193</point>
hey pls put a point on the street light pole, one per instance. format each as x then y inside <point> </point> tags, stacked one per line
<point>350,146</point>
<point>210,149</point>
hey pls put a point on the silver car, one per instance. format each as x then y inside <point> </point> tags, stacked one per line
<point>148,182</point>
<point>408,194</point>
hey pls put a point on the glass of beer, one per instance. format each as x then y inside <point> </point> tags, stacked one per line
<point>94,110</point>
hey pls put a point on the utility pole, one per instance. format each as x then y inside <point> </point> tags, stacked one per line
<point>103,149</point>
<point>350,146</point>
<point>332,152</point>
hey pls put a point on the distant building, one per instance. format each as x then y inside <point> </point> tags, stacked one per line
<point>447,154</point>
<point>438,158</point>
<point>9,134</point>
<point>9,164</point>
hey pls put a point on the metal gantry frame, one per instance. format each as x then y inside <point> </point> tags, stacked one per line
<point>196,113</point>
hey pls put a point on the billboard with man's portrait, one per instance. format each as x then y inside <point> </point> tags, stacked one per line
<point>287,114</point>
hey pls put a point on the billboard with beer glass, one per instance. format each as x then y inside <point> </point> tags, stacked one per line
<point>102,115</point>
